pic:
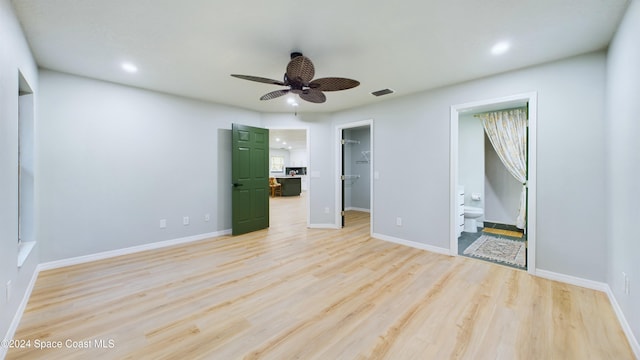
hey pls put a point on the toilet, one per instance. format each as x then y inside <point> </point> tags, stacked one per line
<point>471,213</point>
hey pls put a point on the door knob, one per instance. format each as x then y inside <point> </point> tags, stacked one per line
<point>236,184</point>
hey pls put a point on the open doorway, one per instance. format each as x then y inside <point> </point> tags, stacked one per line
<point>354,164</point>
<point>288,177</point>
<point>493,207</point>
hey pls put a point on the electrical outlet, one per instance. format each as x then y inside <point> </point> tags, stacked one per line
<point>207,217</point>
<point>8,290</point>
<point>398,221</point>
<point>163,223</point>
<point>185,220</point>
<point>626,283</point>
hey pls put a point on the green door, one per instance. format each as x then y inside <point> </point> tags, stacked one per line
<point>250,179</point>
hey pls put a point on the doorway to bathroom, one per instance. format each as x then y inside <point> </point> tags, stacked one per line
<point>492,199</point>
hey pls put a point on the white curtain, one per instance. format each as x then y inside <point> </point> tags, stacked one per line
<point>507,131</point>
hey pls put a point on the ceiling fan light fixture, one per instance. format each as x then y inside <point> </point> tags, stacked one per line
<point>299,80</point>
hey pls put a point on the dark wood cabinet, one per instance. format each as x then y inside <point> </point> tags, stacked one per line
<point>291,186</point>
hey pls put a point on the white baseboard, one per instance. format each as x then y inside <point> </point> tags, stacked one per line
<point>323,226</point>
<point>568,279</point>
<point>130,250</point>
<point>599,286</point>
<point>358,209</point>
<point>413,244</point>
<point>633,342</point>
<point>11,331</point>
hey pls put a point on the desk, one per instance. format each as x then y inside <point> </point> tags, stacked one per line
<point>291,185</point>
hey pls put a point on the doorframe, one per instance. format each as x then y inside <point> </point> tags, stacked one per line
<point>532,99</point>
<point>338,170</point>
<point>308,161</point>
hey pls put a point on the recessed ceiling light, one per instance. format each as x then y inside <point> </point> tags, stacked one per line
<point>284,143</point>
<point>290,148</point>
<point>294,104</point>
<point>291,100</point>
<point>129,67</point>
<point>278,139</point>
<point>500,48</point>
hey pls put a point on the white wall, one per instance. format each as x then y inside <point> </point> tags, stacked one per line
<point>471,160</point>
<point>502,191</point>
<point>623,160</point>
<point>413,131</point>
<point>114,160</point>
<point>15,57</point>
<point>298,158</point>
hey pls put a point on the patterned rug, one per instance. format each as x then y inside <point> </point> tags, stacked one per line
<point>498,249</point>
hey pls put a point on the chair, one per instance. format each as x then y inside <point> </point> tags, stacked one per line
<point>276,187</point>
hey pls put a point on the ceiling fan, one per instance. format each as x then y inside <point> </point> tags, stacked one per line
<point>299,77</point>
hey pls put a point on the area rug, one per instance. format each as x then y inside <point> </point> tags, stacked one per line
<point>498,249</point>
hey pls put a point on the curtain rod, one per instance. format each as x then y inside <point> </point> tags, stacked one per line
<point>525,108</point>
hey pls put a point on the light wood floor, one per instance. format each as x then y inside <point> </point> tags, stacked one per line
<point>296,293</point>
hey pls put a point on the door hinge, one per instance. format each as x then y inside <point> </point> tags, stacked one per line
<point>342,213</point>
<point>342,177</point>
<point>342,141</point>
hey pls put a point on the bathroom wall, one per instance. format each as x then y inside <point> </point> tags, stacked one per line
<point>502,191</point>
<point>471,166</point>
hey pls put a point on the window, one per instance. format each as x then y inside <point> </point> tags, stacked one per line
<point>277,164</point>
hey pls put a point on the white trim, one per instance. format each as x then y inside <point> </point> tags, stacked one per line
<point>572,280</point>
<point>413,244</point>
<point>130,250</point>
<point>532,99</point>
<point>357,209</point>
<point>338,170</point>
<point>633,342</point>
<point>13,327</point>
<point>324,226</point>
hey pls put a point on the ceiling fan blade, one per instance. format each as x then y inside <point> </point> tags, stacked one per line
<point>314,96</point>
<point>274,94</point>
<point>333,84</point>
<point>258,79</point>
<point>300,69</point>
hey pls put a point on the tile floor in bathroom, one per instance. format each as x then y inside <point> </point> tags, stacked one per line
<point>468,238</point>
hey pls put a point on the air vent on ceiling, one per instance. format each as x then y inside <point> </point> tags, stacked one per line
<point>382,92</point>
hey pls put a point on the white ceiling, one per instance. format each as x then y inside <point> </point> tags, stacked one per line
<point>294,139</point>
<point>191,47</point>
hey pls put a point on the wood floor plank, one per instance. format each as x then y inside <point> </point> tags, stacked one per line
<point>291,292</point>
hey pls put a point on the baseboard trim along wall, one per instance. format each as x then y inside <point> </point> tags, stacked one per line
<point>18,315</point>
<point>358,209</point>
<point>323,226</point>
<point>633,342</point>
<point>130,250</point>
<point>599,286</point>
<point>413,244</point>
